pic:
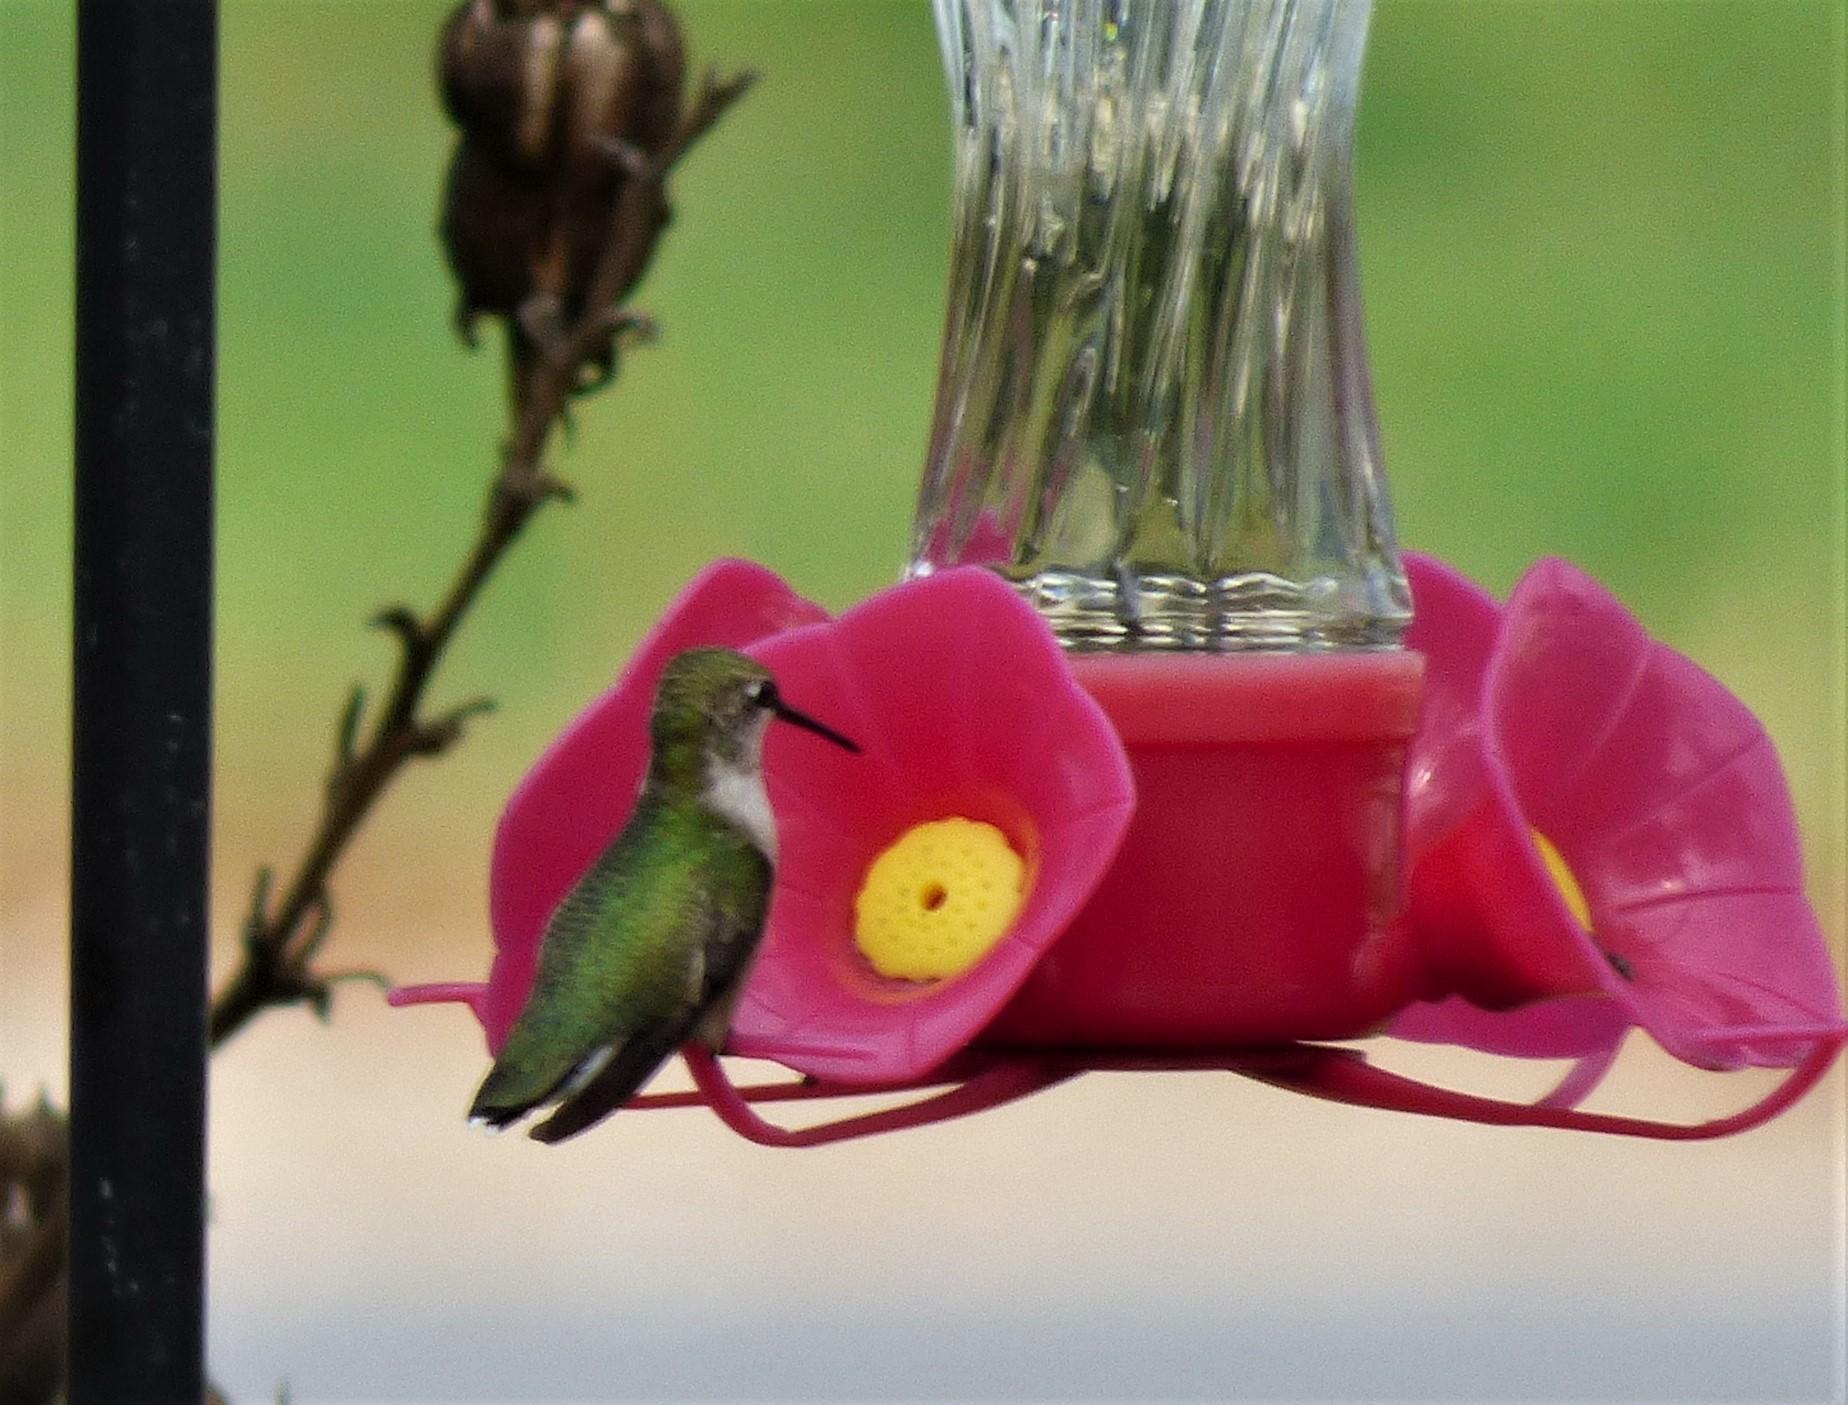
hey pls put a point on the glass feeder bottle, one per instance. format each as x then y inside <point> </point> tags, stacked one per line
<point>1154,417</point>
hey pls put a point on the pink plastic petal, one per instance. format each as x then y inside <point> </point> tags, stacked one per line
<point>1568,1027</point>
<point>964,705</point>
<point>1728,979</point>
<point>579,795</point>
<point>1665,797</point>
<point>1454,625</point>
<point>1663,794</point>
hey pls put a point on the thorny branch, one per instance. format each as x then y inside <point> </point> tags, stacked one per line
<point>282,939</point>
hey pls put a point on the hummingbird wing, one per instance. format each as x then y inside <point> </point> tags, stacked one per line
<point>722,958</point>
<point>659,931</point>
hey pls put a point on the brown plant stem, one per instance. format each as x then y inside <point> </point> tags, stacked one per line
<point>281,942</point>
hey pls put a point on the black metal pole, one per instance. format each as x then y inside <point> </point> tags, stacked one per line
<point>141,736</point>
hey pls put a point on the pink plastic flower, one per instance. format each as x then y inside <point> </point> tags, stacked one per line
<point>1455,624</point>
<point>581,792</point>
<point>1559,722</point>
<point>965,707</point>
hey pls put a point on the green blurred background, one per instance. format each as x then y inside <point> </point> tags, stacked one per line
<point>1603,252</point>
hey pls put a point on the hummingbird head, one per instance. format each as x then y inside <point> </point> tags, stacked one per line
<point>713,706</point>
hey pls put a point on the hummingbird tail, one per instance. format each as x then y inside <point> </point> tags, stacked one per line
<point>618,1081</point>
<point>513,1089</point>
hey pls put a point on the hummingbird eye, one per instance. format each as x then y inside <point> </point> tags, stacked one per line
<point>763,694</point>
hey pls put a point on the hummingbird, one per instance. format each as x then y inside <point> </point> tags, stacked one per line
<point>650,949</point>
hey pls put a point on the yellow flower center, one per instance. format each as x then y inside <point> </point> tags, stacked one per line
<point>1561,872</point>
<point>937,900</point>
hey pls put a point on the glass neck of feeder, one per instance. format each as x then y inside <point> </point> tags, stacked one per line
<point>1154,413</point>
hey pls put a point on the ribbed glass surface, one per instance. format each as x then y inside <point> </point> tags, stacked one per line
<point>1153,411</point>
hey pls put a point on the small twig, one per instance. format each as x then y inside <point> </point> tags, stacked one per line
<point>346,734</point>
<point>322,1000</point>
<point>281,942</point>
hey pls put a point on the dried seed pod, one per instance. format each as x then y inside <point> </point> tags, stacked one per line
<point>548,95</point>
<point>623,75</point>
<point>494,228</point>
<point>498,65</point>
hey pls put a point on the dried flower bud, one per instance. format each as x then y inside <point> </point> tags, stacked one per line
<point>495,219</point>
<point>546,94</point>
<point>624,74</point>
<point>498,69</point>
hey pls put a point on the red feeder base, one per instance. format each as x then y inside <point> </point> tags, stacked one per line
<point>1252,899</point>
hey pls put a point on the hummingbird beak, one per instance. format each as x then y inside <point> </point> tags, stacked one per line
<point>786,713</point>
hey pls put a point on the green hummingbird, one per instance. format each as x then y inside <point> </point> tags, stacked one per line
<point>651,947</point>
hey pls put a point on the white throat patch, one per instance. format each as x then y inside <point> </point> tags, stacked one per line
<point>737,793</point>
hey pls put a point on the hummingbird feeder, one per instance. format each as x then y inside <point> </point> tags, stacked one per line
<point>1171,761</point>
